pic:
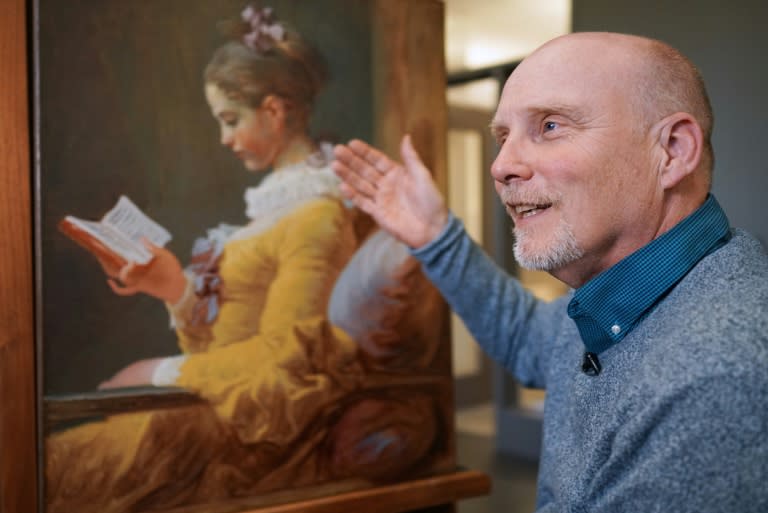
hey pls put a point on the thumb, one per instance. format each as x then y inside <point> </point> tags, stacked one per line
<point>125,272</point>
<point>411,158</point>
<point>151,247</point>
<point>121,290</point>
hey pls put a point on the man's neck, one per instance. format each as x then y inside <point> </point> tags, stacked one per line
<point>676,208</point>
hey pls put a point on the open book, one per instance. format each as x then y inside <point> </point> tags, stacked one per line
<point>116,238</point>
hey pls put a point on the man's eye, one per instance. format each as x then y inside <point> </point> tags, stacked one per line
<point>549,126</point>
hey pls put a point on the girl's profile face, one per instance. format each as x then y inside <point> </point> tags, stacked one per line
<point>253,134</point>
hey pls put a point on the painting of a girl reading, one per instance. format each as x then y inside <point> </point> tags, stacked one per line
<point>314,344</point>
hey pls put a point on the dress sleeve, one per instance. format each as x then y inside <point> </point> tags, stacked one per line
<point>191,338</point>
<point>269,385</point>
<point>309,250</point>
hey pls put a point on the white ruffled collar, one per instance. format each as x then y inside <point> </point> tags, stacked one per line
<point>293,184</point>
<point>286,189</point>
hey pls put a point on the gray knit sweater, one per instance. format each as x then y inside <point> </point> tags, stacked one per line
<point>677,421</point>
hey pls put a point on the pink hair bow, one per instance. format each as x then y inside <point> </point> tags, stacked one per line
<point>265,31</point>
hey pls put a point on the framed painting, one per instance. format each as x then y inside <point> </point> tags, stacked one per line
<point>274,349</point>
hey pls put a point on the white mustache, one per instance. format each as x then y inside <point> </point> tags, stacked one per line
<point>528,197</point>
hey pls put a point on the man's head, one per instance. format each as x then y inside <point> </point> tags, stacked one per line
<point>604,146</point>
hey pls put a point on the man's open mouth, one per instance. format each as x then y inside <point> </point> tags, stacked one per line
<point>524,211</point>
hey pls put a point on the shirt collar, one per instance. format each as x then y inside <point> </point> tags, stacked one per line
<point>606,308</point>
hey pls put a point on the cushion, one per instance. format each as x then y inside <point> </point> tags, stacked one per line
<point>387,305</point>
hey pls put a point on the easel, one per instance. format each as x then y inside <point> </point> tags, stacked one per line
<point>436,494</point>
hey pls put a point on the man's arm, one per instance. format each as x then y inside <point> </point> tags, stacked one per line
<point>511,325</point>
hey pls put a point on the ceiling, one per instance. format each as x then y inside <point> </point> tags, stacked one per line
<point>482,33</point>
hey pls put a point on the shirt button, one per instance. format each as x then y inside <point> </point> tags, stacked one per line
<point>615,329</point>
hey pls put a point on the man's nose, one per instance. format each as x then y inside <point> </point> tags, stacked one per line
<point>510,164</point>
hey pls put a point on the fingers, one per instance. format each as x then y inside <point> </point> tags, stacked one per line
<point>355,184</point>
<point>150,246</point>
<point>109,269</point>
<point>359,162</point>
<point>106,385</point>
<point>373,157</point>
<point>125,272</point>
<point>121,290</point>
<point>364,203</point>
<point>362,165</point>
<point>412,160</point>
<point>408,152</point>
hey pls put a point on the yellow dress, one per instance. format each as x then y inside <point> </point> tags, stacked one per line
<point>268,366</point>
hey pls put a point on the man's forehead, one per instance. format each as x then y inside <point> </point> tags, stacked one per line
<point>554,95</point>
<point>560,78</point>
<point>581,57</point>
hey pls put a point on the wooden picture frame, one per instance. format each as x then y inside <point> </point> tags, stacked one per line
<point>407,34</point>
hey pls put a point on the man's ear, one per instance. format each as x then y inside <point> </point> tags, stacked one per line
<point>681,143</point>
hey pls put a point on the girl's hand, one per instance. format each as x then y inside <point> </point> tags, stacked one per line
<point>163,277</point>
<point>136,374</point>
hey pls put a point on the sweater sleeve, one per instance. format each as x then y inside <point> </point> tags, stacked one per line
<point>512,326</point>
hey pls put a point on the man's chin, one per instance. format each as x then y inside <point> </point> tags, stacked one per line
<point>533,259</point>
<point>550,258</point>
<point>533,263</point>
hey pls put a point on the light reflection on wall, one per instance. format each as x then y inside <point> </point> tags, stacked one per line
<point>465,175</point>
<point>482,94</point>
<point>482,33</point>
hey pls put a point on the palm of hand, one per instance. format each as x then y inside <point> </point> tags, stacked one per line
<point>408,204</point>
<point>403,199</point>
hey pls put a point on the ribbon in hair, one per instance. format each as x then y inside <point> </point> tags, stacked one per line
<point>265,30</point>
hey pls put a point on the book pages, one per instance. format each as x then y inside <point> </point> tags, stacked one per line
<point>134,224</point>
<point>131,251</point>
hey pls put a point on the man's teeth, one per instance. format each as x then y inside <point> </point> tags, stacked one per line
<point>528,210</point>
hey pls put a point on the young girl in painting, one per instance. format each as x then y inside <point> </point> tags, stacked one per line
<point>250,314</point>
<point>278,269</point>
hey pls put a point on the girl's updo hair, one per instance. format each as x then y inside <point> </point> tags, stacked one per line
<point>267,58</point>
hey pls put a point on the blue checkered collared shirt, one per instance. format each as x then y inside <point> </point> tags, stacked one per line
<point>606,308</point>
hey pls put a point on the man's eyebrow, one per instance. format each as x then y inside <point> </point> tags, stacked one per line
<point>563,109</point>
<point>566,109</point>
<point>572,112</point>
<point>496,126</point>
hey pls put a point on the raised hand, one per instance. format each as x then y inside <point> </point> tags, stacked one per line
<point>162,278</point>
<point>403,199</point>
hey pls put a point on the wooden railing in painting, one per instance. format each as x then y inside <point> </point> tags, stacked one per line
<point>63,408</point>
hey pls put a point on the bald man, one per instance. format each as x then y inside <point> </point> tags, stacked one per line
<point>656,363</point>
